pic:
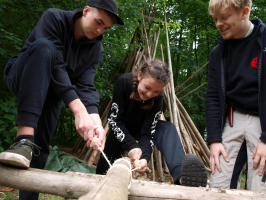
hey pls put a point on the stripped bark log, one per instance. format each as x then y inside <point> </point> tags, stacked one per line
<point>115,183</point>
<point>74,185</point>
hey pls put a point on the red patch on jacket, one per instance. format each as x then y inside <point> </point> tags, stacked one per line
<point>254,63</point>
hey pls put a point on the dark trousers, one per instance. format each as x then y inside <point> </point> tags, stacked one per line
<point>166,140</point>
<point>38,105</point>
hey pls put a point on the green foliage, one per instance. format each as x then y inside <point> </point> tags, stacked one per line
<point>192,37</point>
<point>7,122</point>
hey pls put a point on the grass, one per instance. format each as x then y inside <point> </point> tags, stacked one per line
<point>14,195</point>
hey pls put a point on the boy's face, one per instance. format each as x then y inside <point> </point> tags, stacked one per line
<point>95,21</point>
<point>230,23</point>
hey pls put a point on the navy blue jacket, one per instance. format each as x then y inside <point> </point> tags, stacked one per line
<point>216,107</point>
<point>76,61</point>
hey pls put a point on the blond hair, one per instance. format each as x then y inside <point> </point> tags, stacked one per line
<point>220,5</point>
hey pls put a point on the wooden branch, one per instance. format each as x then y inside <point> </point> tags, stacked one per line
<point>88,154</point>
<point>193,91</point>
<point>156,43</point>
<point>178,87</point>
<point>74,185</point>
<point>157,21</point>
<point>158,160</point>
<point>184,89</point>
<point>172,86</point>
<point>92,157</point>
<point>193,127</point>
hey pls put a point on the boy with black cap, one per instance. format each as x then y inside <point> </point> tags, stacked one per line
<point>58,62</point>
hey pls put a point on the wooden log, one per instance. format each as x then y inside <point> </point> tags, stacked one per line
<point>74,185</point>
<point>92,157</point>
<point>114,185</point>
<point>88,154</point>
<point>159,166</point>
<point>152,167</point>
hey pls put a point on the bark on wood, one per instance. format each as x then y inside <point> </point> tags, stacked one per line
<point>74,185</point>
<point>171,73</point>
<point>114,185</point>
<point>159,167</point>
<point>92,157</point>
<point>193,127</point>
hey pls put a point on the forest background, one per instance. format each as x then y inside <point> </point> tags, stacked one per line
<point>191,39</point>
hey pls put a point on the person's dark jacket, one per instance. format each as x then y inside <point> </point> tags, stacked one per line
<point>76,61</point>
<point>216,106</point>
<point>129,121</point>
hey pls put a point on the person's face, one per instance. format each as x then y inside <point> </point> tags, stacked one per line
<point>231,24</point>
<point>95,21</point>
<point>148,87</point>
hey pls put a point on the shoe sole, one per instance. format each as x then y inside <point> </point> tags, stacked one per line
<point>14,160</point>
<point>193,172</point>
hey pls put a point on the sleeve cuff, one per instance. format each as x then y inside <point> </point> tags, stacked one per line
<point>263,137</point>
<point>131,146</point>
<point>214,139</point>
<point>69,96</point>
<point>92,109</point>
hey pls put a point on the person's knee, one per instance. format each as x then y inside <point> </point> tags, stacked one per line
<point>44,47</point>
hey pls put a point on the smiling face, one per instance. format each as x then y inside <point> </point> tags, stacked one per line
<point>93,23</point>
<point>232,24</point>
<point>148,87</point>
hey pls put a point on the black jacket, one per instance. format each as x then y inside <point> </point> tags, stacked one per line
<point>216,107</point>
<point>129,121</point>
<point>76,61</point>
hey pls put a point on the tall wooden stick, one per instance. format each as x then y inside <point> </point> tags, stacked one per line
<point>171,72</point>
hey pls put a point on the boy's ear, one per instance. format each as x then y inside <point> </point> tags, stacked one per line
<point>86,10</point>
<point>246,10</point>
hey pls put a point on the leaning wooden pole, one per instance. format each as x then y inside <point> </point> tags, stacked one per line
<point>114,185</point>
<point>171,73</point>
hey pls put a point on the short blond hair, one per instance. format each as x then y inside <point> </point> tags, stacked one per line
<point>220,5</point>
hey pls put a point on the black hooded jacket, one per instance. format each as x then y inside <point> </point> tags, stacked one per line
<point>76,61</point>
<point>216,105</point>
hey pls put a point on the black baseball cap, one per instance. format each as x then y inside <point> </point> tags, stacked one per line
<point>108,5</point>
